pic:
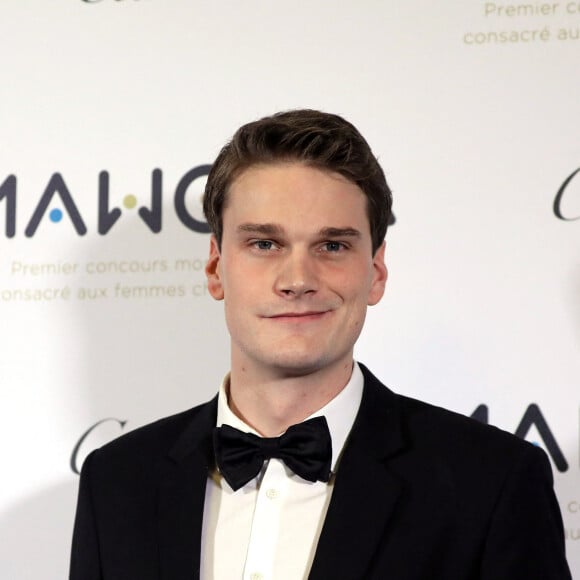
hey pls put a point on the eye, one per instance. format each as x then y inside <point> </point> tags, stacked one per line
<point>263,244</point>
<point>333,247</point>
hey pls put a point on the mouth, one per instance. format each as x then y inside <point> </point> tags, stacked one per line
<point>310,315</point>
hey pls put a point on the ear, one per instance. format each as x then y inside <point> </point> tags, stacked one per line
<point>380,275</point>
<point>213,270</point>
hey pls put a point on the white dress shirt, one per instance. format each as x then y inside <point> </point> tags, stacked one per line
<point>269,529</point>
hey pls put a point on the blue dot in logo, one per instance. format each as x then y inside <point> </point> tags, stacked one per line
<point>55,215</point>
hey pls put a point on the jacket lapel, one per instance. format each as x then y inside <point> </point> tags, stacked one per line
<point>365,493</point>
<point>181,497</point>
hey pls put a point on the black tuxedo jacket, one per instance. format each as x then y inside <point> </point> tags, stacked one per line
<point>420,494</point>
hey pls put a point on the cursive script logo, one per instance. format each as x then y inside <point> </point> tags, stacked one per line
<point>565,190</point>
<point>74,458</point>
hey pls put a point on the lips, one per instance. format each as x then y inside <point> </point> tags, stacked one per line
<point>298,316</point>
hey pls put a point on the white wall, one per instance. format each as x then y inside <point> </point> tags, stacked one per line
<point>476,137</point>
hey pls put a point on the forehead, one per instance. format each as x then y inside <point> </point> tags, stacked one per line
<point>294,193</point>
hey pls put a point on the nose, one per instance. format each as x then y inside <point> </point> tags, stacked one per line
<point>297,275</point>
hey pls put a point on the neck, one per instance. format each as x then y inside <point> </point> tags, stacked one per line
<point>270,402</point>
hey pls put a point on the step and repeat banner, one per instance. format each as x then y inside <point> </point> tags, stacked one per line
<point>111,112</point>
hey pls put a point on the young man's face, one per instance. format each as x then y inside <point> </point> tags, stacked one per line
<point>296,270</point>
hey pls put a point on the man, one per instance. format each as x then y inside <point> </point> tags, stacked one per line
<point>317,470</point>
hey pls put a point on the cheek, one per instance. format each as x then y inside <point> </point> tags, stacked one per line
<point>234,321</point>
<point>358,297</point>
<point>239,275</point>
<point>239,298</point>
<point>355,288</point>
<point>347,282</point>
<point>358,320</point>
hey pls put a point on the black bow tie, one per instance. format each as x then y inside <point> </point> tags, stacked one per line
<point>305,448</point>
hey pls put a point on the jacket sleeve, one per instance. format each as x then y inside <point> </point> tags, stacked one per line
<point>526,536</point>
<point>85,561</point>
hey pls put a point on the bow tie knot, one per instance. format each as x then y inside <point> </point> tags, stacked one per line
<point>305,448</point>
<point>269,447</point>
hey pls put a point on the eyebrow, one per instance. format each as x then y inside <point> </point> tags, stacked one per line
<point>339,232</point>
<point>265,229</point>
<point>277,230</point>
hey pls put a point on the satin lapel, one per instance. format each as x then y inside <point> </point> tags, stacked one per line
<point>365,493</point>
<point>181,498</point>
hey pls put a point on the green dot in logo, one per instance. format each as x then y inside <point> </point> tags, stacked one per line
<point>129,201</point>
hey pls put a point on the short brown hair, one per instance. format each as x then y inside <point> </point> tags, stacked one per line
<point>318,139</point>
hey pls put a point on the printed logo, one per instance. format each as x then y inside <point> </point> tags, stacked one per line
<point>107,217</point>
<point>533,417</point>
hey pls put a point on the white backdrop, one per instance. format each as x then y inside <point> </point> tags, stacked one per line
<point>472,108</point>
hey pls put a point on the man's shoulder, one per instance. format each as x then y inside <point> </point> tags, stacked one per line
<point>444,429</point>
<point>154,441</point>
<point>436,432</point>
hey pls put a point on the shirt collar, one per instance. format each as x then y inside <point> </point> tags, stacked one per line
<point>340,412</point>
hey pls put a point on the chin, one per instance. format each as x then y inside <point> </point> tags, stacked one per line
<point>299,363</point>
